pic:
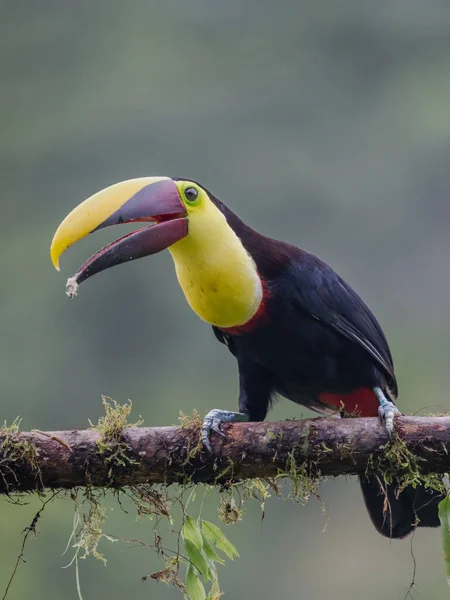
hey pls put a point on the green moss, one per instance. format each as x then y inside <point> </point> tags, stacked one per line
<point>193,421</point>
<point>112,445</point>
<point>347,450</point>
<point>229,511</point>
<point>397,465</point>
<point>275,436</point>
<point>17,449</point>
<point>305,479</point>
<point>88,528</point>
<point>111,425</point>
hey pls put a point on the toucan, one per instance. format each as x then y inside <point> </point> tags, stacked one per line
<point>295,327</point>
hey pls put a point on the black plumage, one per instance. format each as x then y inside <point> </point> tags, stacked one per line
<point>315,342</point>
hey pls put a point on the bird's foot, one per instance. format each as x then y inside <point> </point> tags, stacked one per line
<point>213,421</point>
<point>386,411</point>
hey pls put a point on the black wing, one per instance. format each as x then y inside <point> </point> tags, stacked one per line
<point>328,298</point>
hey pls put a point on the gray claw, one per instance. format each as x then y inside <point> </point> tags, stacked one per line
<point>386,411</point>
<point>214,420</point>
<point>211,423</point>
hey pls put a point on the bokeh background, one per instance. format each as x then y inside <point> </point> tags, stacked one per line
<point>326,124</point>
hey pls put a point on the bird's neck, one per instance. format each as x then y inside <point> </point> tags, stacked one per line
<point>218,276</point>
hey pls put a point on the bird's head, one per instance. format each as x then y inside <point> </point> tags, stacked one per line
<point>217,273</point>
<point>172,209</point>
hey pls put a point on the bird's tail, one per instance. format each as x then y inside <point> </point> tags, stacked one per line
<point>394,514</point>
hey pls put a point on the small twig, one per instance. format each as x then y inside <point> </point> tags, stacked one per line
<point>27,531</point>
<point>412,585</point>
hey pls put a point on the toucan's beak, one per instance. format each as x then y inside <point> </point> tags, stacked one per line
<point>153,199</point>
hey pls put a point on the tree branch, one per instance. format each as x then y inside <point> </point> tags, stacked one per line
<point>66,459</point>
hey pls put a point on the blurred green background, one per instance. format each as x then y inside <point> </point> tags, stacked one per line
<point>325,124</point>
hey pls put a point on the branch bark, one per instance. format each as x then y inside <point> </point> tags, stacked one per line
<point>66,459</point>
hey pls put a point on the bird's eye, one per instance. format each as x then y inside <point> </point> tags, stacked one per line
<point>191,194</point>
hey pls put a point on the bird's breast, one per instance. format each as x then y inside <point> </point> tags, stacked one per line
<point>222,286</point>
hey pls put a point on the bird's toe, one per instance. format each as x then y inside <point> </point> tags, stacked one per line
<point>214,419</point>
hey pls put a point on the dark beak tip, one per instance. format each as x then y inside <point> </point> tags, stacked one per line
<point>143,242</point>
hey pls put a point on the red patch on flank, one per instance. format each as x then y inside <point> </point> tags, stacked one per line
<point>257,318</point>
<point>362,402</point>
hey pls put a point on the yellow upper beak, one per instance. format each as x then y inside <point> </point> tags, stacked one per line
<point>94,212</point>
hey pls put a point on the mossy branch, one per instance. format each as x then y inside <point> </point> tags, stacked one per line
<point>117,455</point>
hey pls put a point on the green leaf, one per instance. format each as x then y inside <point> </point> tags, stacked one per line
<point>208,549</point>
<point>444,517</point>
<point>218,538</point>
<point>191,532</point>
<point>198,559</point>
<point>194,586</point>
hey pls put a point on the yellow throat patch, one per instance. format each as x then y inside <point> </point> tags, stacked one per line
<point>217,275</point>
